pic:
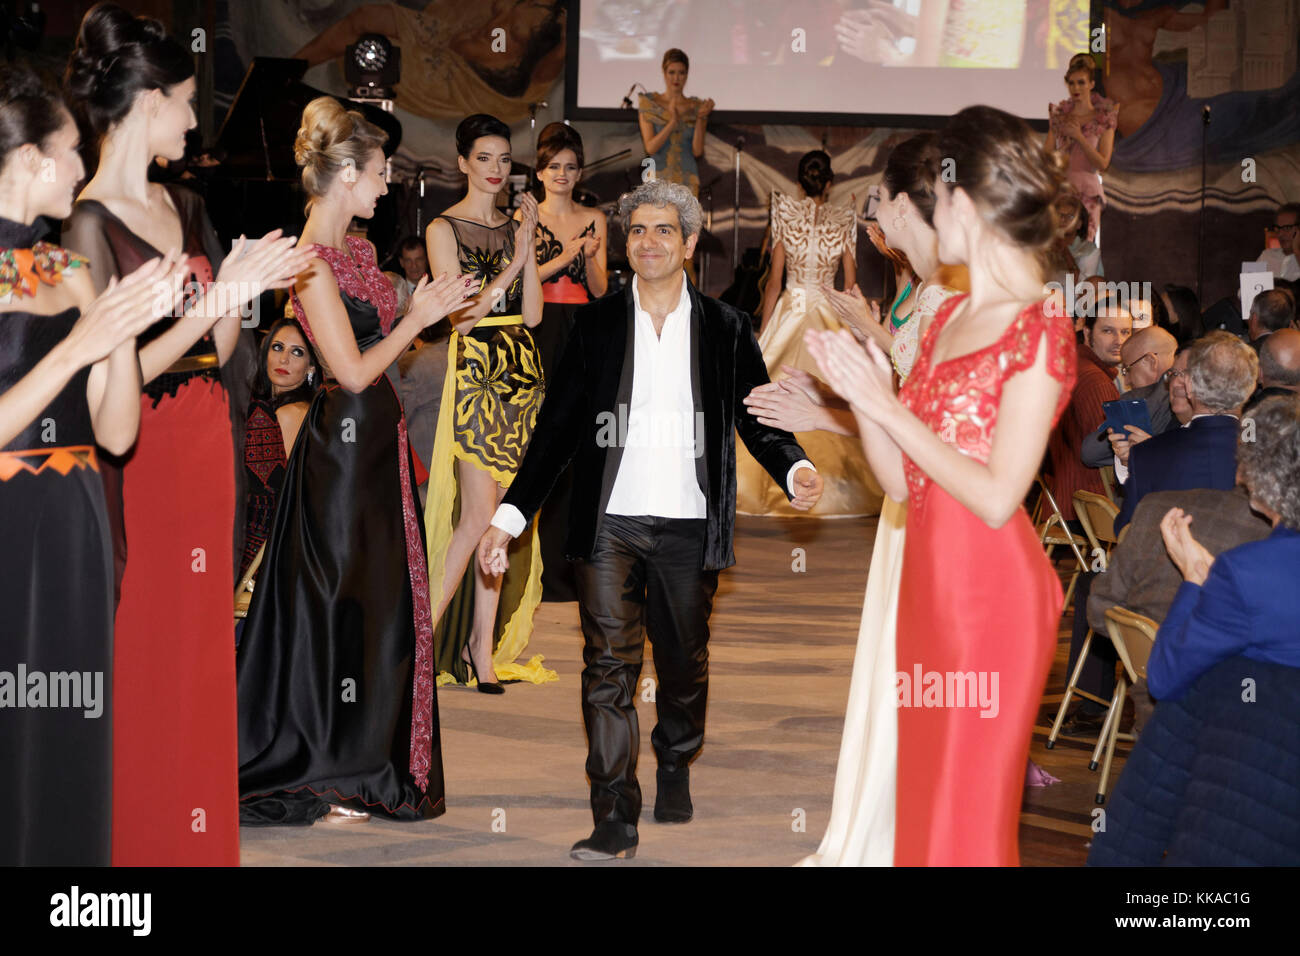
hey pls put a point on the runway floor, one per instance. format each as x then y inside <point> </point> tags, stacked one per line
<point>781,654</point>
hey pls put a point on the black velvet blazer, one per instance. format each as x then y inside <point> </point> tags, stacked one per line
<point>595,377</point>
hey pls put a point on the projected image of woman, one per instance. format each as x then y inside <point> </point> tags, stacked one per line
<point>1083,128</point>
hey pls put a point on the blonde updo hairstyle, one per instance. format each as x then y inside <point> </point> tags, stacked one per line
<point>1015,184</point>
<point>330,140</point>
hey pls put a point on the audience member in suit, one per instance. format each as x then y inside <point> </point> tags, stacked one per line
<point>1105,331</point>
<point>1271,311</point>
<point>1141,577</point>
<point>1145,359</point>
<point>1244,601</point>
<point>1221,374</point>
<point>1279,366</point>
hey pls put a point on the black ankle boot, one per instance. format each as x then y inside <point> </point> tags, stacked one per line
<point>673,797</point>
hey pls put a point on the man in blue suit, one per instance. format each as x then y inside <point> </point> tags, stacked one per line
<point>1221,374</point>
<point>1245,601</point>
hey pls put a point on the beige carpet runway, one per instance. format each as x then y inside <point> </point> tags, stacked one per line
<point>781,653</point>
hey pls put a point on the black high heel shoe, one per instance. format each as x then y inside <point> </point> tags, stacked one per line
<point>483,687</point>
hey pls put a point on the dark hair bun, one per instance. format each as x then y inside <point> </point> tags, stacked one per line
<point>117,55</point>
<point>475,127</point>
<point>815,172</point>
<point>555,139</point>
<point>31,109</point>
<point>912,168</point>
<point>1001,164</point>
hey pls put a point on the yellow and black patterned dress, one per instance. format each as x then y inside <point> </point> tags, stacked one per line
<point>490,400</point>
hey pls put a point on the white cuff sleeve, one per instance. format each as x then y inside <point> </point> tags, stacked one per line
<point>1121,471</point>
<point>510,520</point>
<point>789,476</point>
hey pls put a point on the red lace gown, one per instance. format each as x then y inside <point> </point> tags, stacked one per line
<point>978,612</point>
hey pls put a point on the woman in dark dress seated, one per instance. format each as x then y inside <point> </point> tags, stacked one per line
<point>286,382</point>
<point>283,386</point>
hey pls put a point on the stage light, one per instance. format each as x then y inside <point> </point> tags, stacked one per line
<point>372,66</point>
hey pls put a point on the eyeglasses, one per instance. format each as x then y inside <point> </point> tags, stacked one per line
<point>1288,229</point>
<point>1174,373</point>
<point>1125,369</point>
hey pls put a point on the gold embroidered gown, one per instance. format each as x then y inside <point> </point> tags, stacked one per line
<point>490,400</point>
<point>815,238</point>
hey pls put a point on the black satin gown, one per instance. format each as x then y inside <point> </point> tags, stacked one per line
<point>325,664</point>
<point>56,617</point>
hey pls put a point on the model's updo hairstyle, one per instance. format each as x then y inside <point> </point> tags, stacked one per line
<point>31,109</point>
<point>1082,63</point>
<point>912,168</point>
<point>555,139</point>
<point>815,172</point>
<point>331,139</point>
<point>1001,164</point>
<point>118,55</point>
<point>476,126</point>
<point>676,56</point>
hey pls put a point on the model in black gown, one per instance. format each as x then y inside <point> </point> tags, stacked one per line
<point>336,686</point>
<point>56,597</point>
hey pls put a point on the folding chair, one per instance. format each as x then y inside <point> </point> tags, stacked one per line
<point>1097,514</point>
<point>1133,636</point>
<point>1053,532</point>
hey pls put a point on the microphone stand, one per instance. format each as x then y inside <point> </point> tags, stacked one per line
<point>735,223</point>
<point>1200,229</point>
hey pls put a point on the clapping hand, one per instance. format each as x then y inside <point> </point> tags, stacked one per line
<point>1185,551</point>
<point>250,269</point>
<point>851,306</point>
<point>783,405</point>
<point>526,230</point>
<point>433,301</point>
<point>863,379</point>
<point>128,306</point>
<point>591,245</point>
<point>703,110</point>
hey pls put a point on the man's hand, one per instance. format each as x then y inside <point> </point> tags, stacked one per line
<point>492,551</point>
<point>1123,445</point>
<point>1188,554</point>
<point>807,489</point>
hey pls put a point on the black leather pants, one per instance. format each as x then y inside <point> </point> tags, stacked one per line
<point>643,570</point>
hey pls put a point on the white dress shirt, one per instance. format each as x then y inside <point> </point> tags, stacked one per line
<point>659,430</point>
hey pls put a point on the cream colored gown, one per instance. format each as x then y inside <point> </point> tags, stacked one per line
<point>815,238</point>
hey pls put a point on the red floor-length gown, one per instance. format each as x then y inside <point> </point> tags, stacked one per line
<point>973,600</point>
<point>175,749</point>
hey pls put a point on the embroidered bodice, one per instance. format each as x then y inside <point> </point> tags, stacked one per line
<point>958,399</point>
<point>814,237</point>
<point>368,296</point>
<point>907,337</point>
<point>549,247</point>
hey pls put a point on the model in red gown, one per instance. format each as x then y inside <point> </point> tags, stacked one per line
<point>973,600</point>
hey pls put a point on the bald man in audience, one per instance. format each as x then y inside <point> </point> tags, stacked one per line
<point>1279,366</point>
<point>1144,359</point>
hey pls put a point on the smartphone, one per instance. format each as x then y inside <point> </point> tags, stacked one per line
<point>1126,411</point>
